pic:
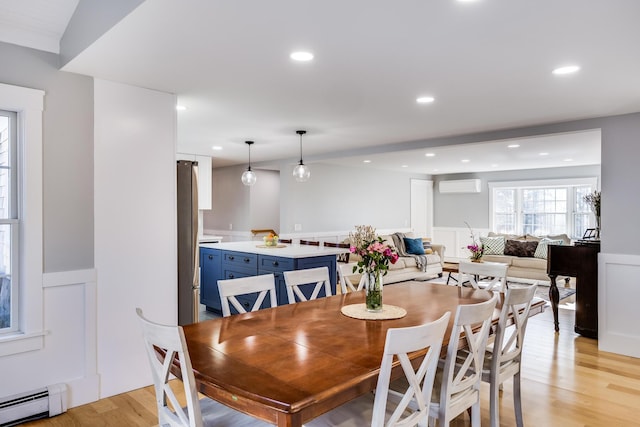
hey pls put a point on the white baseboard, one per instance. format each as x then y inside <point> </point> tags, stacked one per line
<point>84,390</point>
<point>618,278</point>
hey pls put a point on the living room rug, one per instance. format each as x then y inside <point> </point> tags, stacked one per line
<point>543,291</point>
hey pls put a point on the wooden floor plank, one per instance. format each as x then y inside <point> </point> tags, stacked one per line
<point>566,382</point>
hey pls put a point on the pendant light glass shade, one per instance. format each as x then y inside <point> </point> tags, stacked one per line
<point>249,177</point>
<point>301,172</point>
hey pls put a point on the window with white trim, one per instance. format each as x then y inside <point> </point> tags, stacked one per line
<point>21,171</point>
<point>9,230</point>
<point>541,207</point>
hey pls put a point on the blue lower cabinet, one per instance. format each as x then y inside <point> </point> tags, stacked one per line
<point>210,269</point>
<point>219,264</point>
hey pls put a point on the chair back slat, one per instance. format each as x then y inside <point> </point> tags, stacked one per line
<point>294,279</point>
<point>171,340</point>
<point>510,338</point>
<point>474,272</point>
<point>462,372</point>
<point>413,408</point>
<point>229,289</point>
<point>345,271</point>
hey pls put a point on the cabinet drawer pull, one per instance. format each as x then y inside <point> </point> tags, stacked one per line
<point>247,260</point>
<point>210,256</point>
<point>231,276</point>
<point>231,257</point>
<point>246,304</point>
<point>275,263</point>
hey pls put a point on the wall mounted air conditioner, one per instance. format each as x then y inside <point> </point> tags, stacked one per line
<point>460,186</point>
<point>42,403</point>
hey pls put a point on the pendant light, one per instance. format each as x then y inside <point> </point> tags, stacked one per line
<point>301,172</point>
<point>249,177</point>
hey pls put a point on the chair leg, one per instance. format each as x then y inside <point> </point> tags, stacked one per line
<point>494,403</point>
<point>517,399</point>
<point>475,415</point>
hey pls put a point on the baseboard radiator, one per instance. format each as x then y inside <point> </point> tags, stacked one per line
<point>42,403</point>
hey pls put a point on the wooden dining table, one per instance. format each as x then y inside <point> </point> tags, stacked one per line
<point>289,364</point>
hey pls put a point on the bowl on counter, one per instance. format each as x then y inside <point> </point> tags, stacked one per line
<point>270,240</point>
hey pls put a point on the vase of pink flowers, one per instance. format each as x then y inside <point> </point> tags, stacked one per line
<point>375,256</point>
<point>475,249</point>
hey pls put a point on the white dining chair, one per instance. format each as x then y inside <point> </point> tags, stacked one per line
<point>345,272</point>
<point>296,278</point>
<point>503,359</point>
<point>412,407</point>
<point>229,289</point>
<point>457,385</point>
<point>197,412</point>
<point>483,275</point>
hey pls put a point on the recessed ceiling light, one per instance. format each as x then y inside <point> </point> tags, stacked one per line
<point>569,69</point>
<point>366,161</point>
<point>425,99</point>
<point>435,170</point>
<point>301,56</point>
<point>404,166</point>
<point>430,155</point>
<point>495,165</point>
<point>180,107</point>
<point>543,154</point>
<point>568,160</point>
<point>513,145</point>
<point>465,160</point>
<point>216,148</point>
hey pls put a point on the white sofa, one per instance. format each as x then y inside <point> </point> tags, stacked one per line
<point>530,268</point>
<point>405,268</point>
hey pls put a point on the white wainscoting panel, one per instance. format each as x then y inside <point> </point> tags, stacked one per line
<point>335,236</point>
<point>618,315</point>
<point>455,240</point>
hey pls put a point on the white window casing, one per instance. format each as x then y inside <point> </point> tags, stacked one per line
<point>28,104</point>
<point>540,184</point>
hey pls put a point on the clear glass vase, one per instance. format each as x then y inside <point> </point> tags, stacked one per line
<point>373,291</point>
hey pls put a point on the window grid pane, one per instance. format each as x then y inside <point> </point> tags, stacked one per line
<point>543,210</point>
<point>9,225</point>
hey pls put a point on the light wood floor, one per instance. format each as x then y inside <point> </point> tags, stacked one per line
<point>566,382</point>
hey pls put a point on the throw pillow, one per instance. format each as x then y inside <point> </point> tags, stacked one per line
<point>413,246</point>
<point>493,245</point>
<point>542,249</point>
<point>520,248</point>
<point>426,245</point>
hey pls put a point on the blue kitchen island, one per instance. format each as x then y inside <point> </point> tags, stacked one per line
<point>232,260</point>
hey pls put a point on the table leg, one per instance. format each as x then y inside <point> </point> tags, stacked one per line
<point>289,420</point>
<point>554,297</point>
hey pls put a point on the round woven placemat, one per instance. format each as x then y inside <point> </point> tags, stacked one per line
<point>359,311</point>
<point>270,247</point>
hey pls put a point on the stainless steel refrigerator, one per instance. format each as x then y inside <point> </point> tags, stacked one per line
<point>188,252</point>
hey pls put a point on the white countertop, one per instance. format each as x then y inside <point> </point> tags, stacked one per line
<point>289,251</point>
<point>208,238</point>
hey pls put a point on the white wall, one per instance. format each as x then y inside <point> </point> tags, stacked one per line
<point>338,198</point>
<point>66,238</point>
<point>264,201</point>
<point>230,204</point>
<point>135,226</point>
<point>452,210</point>
<point>619,263</point>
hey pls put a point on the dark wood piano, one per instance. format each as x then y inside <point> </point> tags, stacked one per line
<point>579,261</point>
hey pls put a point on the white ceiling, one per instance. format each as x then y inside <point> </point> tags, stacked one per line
<point>488,64</point>
<point>38,24</point>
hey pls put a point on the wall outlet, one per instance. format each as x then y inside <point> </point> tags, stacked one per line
<point>297,227</point>
<point>230,226</point>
